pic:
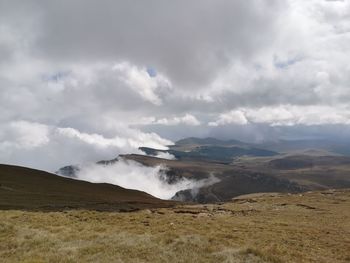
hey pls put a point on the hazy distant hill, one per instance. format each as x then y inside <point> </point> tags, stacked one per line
<point>235,183</point>
<point>212,153</point>
<point>308,161</point>
<point>24,188</point>
<point>209,141</point>
<point>242,169</point>
<point>210,149</point>
<point>295,173</point>
<point>335,146</point>
<point>231,180</point>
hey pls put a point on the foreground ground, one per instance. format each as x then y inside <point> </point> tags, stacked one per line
<point>309,227</point>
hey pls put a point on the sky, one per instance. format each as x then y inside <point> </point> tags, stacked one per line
<point>86,80</point>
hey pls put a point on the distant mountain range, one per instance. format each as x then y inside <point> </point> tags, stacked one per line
<point>243,168</point>
<point>211,153</point>
<point>281,173</point>
<point>209,141</point>
<point>210,150</point>
<point>333,146</point>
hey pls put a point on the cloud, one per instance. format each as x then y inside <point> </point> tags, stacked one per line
<point>187,119</point>
<point>165,155</point>
<point>231,117</point>
<point>132,175</point>
<point>49,148</point>
<point>189,41</point>
<point>142,82</point>
<point>85,74</point>
<point>286,115</point>
<point>23,134</point>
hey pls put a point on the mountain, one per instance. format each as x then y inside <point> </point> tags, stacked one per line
<point>332,146</point>
<point>210,150</point>
<point>29,189</point>
<point>222,181</point>
<point>211,153</point>
<point>250,174</point>
<point>72,170</point>
<point>236,183</point>
<point>209,141</point>
<point>223,170</point>
<point>308,161</point>
<point>68,171</point>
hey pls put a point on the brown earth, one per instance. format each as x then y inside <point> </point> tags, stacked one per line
<point>309,227</point>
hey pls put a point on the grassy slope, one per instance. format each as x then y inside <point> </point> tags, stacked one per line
<point>24,188</point>
<point>312,227</point>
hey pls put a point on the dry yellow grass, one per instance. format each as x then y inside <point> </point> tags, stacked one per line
<point>313,227</point>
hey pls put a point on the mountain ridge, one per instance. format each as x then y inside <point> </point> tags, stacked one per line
<point>31,189</point>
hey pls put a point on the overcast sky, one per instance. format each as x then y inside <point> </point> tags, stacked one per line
<point>84,80</point>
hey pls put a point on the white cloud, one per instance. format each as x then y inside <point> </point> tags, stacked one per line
<point>231,117</point>
<point>286,115</point>
<point>187,119</point>
<point>47,147</point>
<point>273,62</point>
<point>24,135</point>
<point>140,81</point>
<point>135,139</point>
<point>132,175</point>
<point>165,155</point>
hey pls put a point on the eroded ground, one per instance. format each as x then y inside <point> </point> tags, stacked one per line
<point>309,227</point>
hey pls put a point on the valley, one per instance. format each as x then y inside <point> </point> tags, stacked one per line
<point>284,207</point>
<point>226,169</point>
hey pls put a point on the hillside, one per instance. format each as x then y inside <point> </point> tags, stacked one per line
<point>295,173</point>
<point>29,189</point>
<point>335,146</point>
<point>231,180</point>
<point>193,141</point>
<point>211,153</point>
<point>259,228</point>
<point>230,171</point>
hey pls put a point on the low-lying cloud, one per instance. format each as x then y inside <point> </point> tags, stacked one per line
<point>132,175</point>
<point>165,155</point>
<point>47,147</point>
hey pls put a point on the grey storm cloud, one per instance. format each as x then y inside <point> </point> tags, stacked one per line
<point>190,41</point>
<point>98,78</point>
